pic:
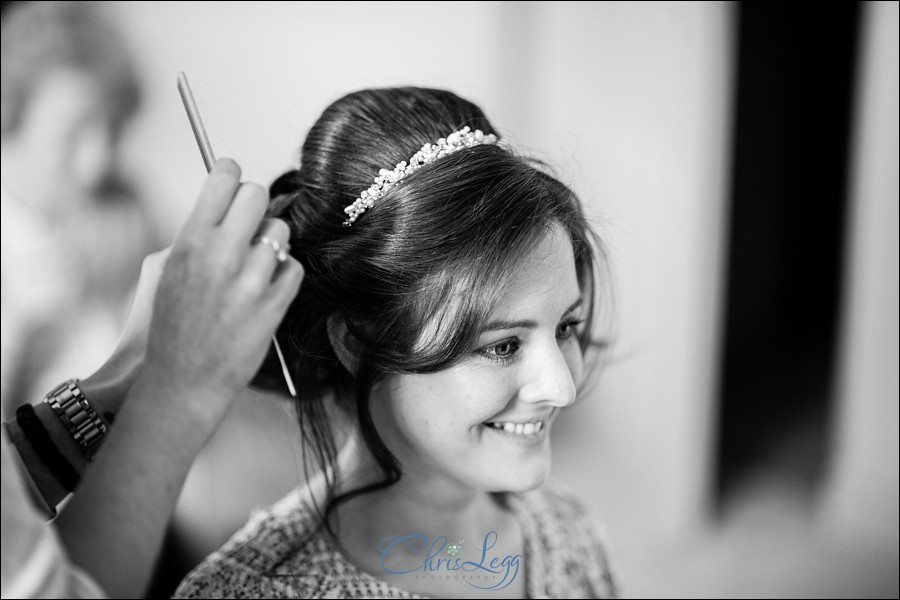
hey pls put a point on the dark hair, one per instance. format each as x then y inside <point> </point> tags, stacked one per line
<point>416,277</point>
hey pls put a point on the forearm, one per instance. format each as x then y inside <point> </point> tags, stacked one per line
<point>221,297</point>
<point>114,526</point>
<point>105,390</point>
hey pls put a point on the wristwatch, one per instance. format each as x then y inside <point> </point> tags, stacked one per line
<point>78,416</point>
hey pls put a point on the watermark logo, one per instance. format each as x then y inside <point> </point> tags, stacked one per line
<point>453,549</point>
<point>416,554</point>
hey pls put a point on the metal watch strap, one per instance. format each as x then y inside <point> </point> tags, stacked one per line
<point>77,415</point>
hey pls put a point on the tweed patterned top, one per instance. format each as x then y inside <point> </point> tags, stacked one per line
<point>282,553</point>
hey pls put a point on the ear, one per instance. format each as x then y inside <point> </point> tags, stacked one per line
<point>346,346</point>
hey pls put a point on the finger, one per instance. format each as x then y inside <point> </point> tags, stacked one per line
<point>277,229</point>
<point>151,271</point>
<point>155,262</point>
<point>216,195</point>
<point>134,332</point>
<point>286,284</point>
<point>264,254</point>
<point>245,213</point>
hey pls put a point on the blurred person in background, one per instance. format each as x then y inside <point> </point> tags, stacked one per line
<point>73,236</point>
<point>73,232</point>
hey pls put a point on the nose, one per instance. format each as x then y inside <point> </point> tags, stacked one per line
<point>548,378</point>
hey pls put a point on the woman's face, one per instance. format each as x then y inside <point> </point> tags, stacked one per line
<point>71,132</point>
<point>485,422</point>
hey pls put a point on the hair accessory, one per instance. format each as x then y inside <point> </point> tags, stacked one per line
<point>281,251</point>
<point>77,414</point>
<point>44,447</point>
<point>463,138</point>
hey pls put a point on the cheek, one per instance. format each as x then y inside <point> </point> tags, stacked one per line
<point>485,391</point>
<point>574,360</point>
<point>47,142</point>
<point>414,407</point>
<point>447,405</point>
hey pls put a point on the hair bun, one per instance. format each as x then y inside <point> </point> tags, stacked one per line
<point>287,183</point>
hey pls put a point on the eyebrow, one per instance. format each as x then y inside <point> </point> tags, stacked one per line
<point>527,324</point>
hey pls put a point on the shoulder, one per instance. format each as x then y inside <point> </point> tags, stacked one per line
<point>568,540</point>
<point>282,552</point>
<point>249,564</point>
<point>559,513</point>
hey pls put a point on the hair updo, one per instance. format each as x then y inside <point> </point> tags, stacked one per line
<point>416,277</point>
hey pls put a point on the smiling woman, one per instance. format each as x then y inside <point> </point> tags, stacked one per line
<point>442,325</point>
<point>484,422</point>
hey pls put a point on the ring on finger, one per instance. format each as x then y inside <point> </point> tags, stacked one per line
<point>282,251</point>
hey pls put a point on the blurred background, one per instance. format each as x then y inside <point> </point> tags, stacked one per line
<point>740,161</point>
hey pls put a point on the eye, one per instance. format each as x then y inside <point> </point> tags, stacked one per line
<point>567,329</point>
<point>504,351</point>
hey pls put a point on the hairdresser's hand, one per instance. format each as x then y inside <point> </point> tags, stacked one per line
<point>221,296</point>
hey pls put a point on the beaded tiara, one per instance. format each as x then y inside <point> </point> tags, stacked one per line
<point>462,138</point>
